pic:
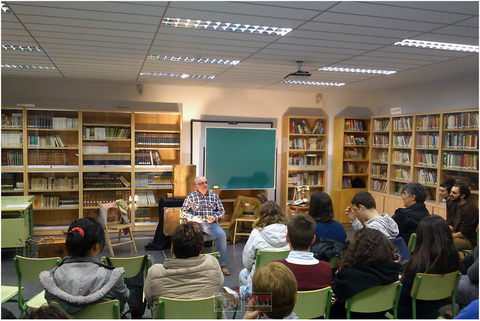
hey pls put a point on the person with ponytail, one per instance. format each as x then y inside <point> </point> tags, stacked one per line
<point>81,279</point>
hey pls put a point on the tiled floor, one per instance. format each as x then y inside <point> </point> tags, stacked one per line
<point>234,264</point>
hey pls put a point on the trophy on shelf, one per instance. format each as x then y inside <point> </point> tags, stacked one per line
<point>302,196</point>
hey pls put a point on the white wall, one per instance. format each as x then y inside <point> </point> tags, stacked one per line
<point>198,102</point>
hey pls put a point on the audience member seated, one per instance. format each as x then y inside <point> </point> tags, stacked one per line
<point>462,217</point>
<point>364,206</point>
<point>445,189</point>
<point>369,261</point>
<point>321,209</point>
<point>269,233</point>
<point>187,276</point>
<point>47,312</point>
<point>434,253</point>
<point>408,218</point>
<point>468,285</point>
<point>81,279</point>
<point>275,285</point>
<point>310,273</point>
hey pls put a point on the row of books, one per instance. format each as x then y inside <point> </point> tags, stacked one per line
<point>428,122</point>
<point>461,121</point>
<point>403,123</point>
<point>154,179</point>
<point>53,201</point>
<point>105,133</point>
<point>45,141</point>
<point>142,215</point>
<point>353,168</point>
<point>145,198</point>
<point>9,182</point>
<point>92,198</point>
<point>381,124</point>
<point>306,160</point>
<point>47,157</point>
<point>50,122</point>
<point>461,141</point>
<point>460,161</point>
<point>381,156</point>
<point>14,120</point>
<point>379,185</point>
<point>427,159</point>
<point>402,174</point>
<point>428,141</point>
<point>354,140</point>
<point>354,153</point>
<point>427,177</point>
<point>12,139</point>
<point>105,181</point>
<point>106,160</point>
<point>379,170</point>
<point>355,125</point>
<point>147,140</point>
<point>402,141</point>
<point>399,157</point>
<point>147,157</point>
<point>303,127</point>
<point>312,143</point>
<point>12,157</point>
<point>95,148</point>
<point>306,178</point>
<point>380,140</point>
<point>53,183</point>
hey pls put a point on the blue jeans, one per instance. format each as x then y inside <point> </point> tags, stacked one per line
<point>216,233</point>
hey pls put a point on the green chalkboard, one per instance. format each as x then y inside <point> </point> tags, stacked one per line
<point>240,158</point>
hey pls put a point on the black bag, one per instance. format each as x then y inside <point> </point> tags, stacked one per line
<point>135,285</point>
<point>324,249</point>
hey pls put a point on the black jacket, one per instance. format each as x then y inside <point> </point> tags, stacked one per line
<point>408,219</point>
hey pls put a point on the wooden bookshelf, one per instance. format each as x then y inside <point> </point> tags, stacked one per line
<point>304,155</point>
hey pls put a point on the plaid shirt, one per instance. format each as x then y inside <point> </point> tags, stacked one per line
<point>197,204</point>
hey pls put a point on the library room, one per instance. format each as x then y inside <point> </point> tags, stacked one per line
<point>157,157</point>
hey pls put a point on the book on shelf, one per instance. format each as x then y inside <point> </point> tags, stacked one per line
<point>428,122</point>
<point>12,139</point>
<point>306,127</point>
<point>465,120</point>
<point>14,120</point>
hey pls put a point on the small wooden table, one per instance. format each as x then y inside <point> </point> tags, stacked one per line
<point>297,209</point>
<point>17,220</point>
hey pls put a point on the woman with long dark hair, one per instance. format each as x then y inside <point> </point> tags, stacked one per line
<point>321,210</point>
<point>435,254</point>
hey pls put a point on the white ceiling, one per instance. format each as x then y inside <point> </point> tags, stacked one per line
<point>111,41</point>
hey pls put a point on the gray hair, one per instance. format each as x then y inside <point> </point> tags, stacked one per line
<point>198,178</point>
<point>416,189</point>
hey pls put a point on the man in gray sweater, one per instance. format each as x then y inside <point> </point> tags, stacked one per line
<point>364,207</point>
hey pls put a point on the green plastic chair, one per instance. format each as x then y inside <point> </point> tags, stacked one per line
<point>103,310</point>
<point>9,292</point>
<point>263,257</point>
<point>206,308</point>
<point>377,299</point>
<point>411,242</point>
<point>432,287</point>
<point>313,304</point>
<point>28,269</point>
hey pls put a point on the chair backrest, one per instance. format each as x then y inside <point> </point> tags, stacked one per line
<point>206,308</point>
<point>263,257</point>
<point>28,269</point>
<point>103,310</point>
<point>377,299</point>
<point>132,265</point>
<point>334,262</point>
<point>315,303</point>
<point>411,242</point>
<point>434,287</point>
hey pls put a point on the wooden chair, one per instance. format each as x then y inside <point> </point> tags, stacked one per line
<point>244,218</point>
<point>411,242</point>
<point>313,304</point>
<point>206,308</point>
<point>120,227</point>
<point>377,299</point>
<point>263,257</point>
<point>28,269</point>
<point>103,310</point>
<point>433,287</point>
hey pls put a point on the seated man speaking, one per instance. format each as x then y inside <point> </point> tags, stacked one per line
<point>204,208</point>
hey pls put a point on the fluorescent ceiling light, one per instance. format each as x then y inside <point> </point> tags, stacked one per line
<point>29,67</point>
<point>21,48</point>
<point>224,26</point>
<point>437,45</point>
<point>163,74</point>
<point>5,8</point>
<point>197,60</point>
<point>358,70</point>
<point>316,83</point>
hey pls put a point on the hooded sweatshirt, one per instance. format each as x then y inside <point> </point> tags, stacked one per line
<point>272,237</point>
<point>383,223</point>
<point>80,282</point>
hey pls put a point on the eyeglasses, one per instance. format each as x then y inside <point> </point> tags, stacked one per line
<point>203,183</point>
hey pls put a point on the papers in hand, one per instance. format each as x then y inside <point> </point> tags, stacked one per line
<point>191,218</point>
